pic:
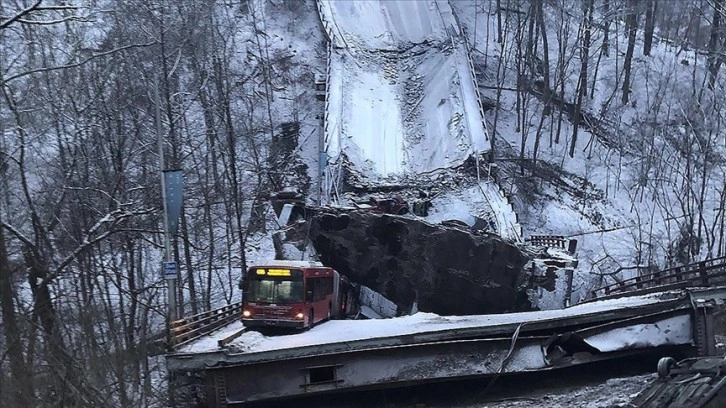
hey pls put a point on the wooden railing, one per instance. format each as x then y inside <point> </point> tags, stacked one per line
<point>711,272</point>
<point>190,328</point>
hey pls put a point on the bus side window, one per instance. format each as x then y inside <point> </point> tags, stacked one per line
<point>321,288</point>
<point>314,290</point>
<point>311,290</point>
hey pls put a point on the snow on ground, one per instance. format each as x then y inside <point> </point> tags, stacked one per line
<point>633,211</point>
<point>335,331</point>
<point>482,200</point>
<point>610,393</point>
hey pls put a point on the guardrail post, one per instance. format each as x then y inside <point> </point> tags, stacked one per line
<point>621,286</point>
<point>703,273</point>
<point>679,274</point>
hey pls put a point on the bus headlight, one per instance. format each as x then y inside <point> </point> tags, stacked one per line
<point>299,316</point>
<point>246,313</point>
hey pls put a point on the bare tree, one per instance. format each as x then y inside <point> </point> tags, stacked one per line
<point>715,44</point>
<point>631,25</point>
<point>650,10</point>
<point>585,29</point>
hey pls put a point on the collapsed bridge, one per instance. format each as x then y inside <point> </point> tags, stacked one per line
<point>235,366</point>
<point>239,366</point>
<point>402,101</point>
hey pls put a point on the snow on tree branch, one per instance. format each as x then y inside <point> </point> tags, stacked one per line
<point>112,219</point>
<point>19,235</point>
<point>20,15</point>
<point>75,65</point>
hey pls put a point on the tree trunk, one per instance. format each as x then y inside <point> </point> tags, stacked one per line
<point>631,26</point>
<point>606,28</point>
<point>585,50</point>
<point>519,64</point>
<point>21,392</point>
<point>649,26</point>
<point>714,44</point>
<point>582,83</point>
<point>65,380</point>
<point>546,91</point>
<point>500,35</point>
<point>226,112</point>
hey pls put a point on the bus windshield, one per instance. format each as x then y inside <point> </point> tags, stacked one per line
<point>275,290</point>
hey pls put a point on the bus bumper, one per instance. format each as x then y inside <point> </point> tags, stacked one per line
<point>294,324</point>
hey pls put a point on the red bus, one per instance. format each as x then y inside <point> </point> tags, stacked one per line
<point>294,294</point>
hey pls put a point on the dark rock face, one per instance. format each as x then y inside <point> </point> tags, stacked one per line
<point>446,270</point>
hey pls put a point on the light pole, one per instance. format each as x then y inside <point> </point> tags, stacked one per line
<point>169,269</point>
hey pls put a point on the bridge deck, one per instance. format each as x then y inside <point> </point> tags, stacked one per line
<point>421,327</point>
<point>347,355</point>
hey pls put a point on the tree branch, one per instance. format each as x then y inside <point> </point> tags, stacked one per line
<point>20,15</point>
<point>78,64</point>
<point>19,235</point>
<point>54,22</point>
<point>112,218</point>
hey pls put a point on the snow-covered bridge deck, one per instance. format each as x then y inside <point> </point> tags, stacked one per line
<point>422,326</point>
<point>401,93</point>
<point>347,355</point>
<point>402,99</point>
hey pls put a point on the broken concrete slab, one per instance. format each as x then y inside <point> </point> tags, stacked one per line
<point>444,269</point>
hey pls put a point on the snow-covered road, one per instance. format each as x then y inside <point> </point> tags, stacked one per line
<point>401,94</point>
<point>402,101</point>
<point>339,331</point>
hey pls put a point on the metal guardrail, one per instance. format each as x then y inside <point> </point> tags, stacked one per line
<point>503,224</point>
<point>190,328</point>
<point>551,241</point>
<point>330,174</point>
<point>705,273</point>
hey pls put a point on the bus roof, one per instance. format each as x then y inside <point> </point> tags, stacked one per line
<point>298,264</point>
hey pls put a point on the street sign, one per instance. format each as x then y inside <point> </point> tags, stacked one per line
<point>170,271</point>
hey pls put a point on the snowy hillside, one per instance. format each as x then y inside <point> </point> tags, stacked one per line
<point>644,187</point>
<point>640,189</point>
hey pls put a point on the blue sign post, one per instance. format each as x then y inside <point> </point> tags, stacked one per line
<point>170,270</point>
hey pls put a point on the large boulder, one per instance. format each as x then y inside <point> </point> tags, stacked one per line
<point>445,269</point>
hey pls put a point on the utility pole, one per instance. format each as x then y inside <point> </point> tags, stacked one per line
<point>169,268</point>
